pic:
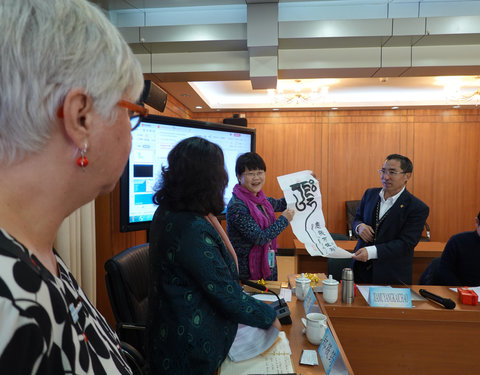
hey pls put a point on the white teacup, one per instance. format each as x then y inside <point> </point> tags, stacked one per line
<point>302,285</point>
<point>315,326</point>
<point>330,290</point>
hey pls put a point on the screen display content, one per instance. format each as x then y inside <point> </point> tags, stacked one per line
<point>151,143</point>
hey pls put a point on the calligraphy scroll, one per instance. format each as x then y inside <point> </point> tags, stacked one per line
<point>302,192</point>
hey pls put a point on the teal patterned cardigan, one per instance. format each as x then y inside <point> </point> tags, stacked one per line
<point>195,300</point>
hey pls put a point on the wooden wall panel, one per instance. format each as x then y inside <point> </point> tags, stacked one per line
<point>321,158</point>
<point>448,169</point>
<point>357,147</point>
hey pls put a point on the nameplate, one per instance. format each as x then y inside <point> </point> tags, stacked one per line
<point>309,301</point>
<point>389,297</point>
<point>328,351</point>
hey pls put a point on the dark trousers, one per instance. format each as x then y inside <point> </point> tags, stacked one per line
<point>363,272</point>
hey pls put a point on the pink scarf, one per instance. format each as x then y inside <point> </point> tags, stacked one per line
<point>258,256</point>
<point>212,219</point>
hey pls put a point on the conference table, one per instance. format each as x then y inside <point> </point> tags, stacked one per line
<point>424,253</point>
<point>425,339</point>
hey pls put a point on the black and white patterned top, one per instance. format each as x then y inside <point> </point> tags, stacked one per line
<point>47,324</point>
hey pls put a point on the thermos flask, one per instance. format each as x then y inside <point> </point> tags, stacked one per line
<point>347,285</point>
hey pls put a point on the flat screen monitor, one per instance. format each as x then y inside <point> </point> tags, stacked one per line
<point>151,143</point>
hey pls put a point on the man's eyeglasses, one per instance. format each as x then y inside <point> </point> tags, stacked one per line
<point>135,112</point>
<point>254,174</point>
<point>389,172</point>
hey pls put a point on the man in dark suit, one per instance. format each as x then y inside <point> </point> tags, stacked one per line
<point>389,223</point>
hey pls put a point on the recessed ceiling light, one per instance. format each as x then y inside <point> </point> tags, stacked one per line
<point>456,106</point>
<point>334,108</point>
<point>274,109</point>
<point>395,107</point>
<point>198,107</point>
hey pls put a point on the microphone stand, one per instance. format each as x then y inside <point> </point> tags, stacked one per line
<point>280,306</point>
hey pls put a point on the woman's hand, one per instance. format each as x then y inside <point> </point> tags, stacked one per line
<point>288,213</point>
<point>276,324</point>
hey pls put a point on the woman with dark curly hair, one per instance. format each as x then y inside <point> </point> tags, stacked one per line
<point>195,300</point>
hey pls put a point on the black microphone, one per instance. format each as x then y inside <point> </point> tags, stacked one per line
<point>280,306</point>
<point>445,302</point>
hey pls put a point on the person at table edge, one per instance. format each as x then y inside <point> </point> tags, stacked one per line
<point>460,260</point>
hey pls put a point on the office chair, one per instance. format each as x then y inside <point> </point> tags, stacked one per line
<point>351,208</point>
<point>134,359</point>
<point>127,286</point>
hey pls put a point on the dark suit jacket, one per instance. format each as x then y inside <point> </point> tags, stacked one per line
<point>397,235</point>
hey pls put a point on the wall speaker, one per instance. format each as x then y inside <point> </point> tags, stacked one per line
<point>235,120</point>
<point>154,96</point>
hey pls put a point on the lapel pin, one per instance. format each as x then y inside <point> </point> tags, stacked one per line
<point>401,206</point>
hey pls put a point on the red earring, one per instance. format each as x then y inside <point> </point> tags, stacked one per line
<point>82,161</point>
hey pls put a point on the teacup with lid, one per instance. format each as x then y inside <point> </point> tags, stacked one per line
<point>302,284</point>
<point>330,290</point>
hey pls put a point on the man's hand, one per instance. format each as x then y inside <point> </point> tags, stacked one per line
<point>361,255</point>
<point>365,232</point>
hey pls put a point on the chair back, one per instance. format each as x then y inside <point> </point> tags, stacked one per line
<point>351,208</point>
<point>127,286</point>
<point>339,236</point>
<point>335,266</point>
<point>426,230</point>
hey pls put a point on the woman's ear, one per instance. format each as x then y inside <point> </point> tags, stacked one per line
<point>77,111</point>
